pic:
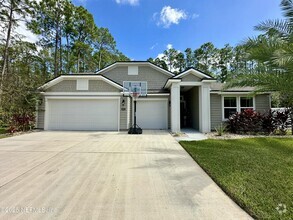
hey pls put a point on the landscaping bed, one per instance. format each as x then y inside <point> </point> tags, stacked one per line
<point>257,173</point>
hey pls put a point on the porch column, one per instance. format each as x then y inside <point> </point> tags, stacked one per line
<point>175,107</point>
<point>204,108</point>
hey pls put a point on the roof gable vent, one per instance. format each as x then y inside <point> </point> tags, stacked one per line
<point>132,70</point>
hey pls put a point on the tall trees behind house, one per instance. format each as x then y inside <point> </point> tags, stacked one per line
<point>272,55</point>
<point>69,41</point>
<point>71,33</point>
<point>11,12</point>
<point>219,62</point>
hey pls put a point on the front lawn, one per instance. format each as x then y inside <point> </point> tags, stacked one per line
<point>3,132</point>
<point>257,173</point>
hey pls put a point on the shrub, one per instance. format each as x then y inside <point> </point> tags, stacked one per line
<point>249,121</point>
<point>269,124</point>
<point>281,119</point>
<point>21,122</point>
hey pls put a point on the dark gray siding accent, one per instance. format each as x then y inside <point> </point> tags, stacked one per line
<point>155,79</point>
<point>216,111</point>
<point>94,86</point>
<point>40,116</point>
<point>194,100</point>
<point>123,113</point>
<point>262,102</point>
<point>191,78</point>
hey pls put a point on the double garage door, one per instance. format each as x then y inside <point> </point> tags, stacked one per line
<point>83,114</point>
<point>103,114</point>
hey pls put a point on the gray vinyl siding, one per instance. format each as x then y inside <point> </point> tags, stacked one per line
<point>123,113</point>
<point>129,112</point>
<point>191,78</point>
<point>216,110</point>
<point>40,116</point>
<point>155,79</point>
<point>262,103</point>
<point>94,86</point>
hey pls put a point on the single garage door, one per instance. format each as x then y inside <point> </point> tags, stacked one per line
<point>152,114</point>
<point>83,114</point>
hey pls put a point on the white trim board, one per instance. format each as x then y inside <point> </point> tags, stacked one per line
<point>135,64</point>
<point>78,94</point>
<point>194,72</point>
<point>75,77</point>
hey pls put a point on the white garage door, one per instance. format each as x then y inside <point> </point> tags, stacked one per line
<point>82,114</point>
<point>152,114</point>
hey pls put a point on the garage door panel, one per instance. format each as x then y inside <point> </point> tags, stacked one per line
<point>152,114</point>
<point>78,114</point>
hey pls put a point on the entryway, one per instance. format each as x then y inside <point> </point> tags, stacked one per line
<point>189,107</point>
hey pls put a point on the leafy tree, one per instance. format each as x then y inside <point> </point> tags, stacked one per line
<point>189,58</point>
<point>104,42</point>
<point>205,57</point>
<point>170,58</point>
<point>48,22</point>
<point>273,52</point>
<point>180,62</point>
<point>225,58</point>
<point>11,13</point>
<point>159,62</point>
<point>83,37</point>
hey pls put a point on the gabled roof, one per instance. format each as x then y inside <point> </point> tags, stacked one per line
<point>79,76</point>
<point>195,72</point>
<point>139,63</point>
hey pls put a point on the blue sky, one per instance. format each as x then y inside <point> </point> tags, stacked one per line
<point>144,28</point>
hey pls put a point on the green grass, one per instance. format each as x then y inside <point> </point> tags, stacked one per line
<point>257,173</point>
<point>3,132</point>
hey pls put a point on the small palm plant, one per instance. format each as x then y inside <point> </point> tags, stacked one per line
<point>272,55</point>
<point>220,129</point>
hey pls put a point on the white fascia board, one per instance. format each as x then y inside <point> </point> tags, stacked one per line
<point>190,83</point>
<point>209,81</point>
<point>194,72</point>
<point>161,69</point>
<point>159,94</point>
<point>106,68</point>
<point>81,93</point>
<point>135,64</point>
<point>231,93</point>
<point>73,77</point>
<point>170,81</point>
<point>81,98</point>
<point>51,83</point>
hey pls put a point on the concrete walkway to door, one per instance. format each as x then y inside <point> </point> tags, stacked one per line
<point>106,175</point>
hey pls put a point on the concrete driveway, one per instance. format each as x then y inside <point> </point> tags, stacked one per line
<point>100,175</point>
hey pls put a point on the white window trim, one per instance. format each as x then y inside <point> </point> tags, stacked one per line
<point>237,104</point>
